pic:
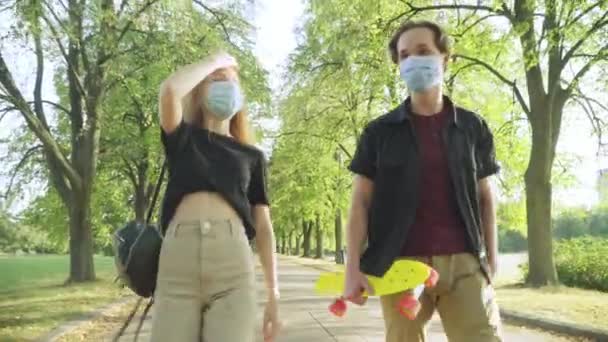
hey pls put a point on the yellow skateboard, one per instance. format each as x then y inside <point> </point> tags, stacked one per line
<point>404,275</point>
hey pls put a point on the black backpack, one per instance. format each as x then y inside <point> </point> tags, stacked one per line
<point>136,253</point>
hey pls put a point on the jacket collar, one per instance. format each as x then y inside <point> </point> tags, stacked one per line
<point>403,112</point>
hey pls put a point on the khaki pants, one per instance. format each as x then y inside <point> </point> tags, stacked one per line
<point>206,284</point>
<point>464,299</point>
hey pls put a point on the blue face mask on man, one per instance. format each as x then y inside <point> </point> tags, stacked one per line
<point>224,99</point>
<point>421,73</point>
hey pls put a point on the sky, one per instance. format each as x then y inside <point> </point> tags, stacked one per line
<point>275,22</point>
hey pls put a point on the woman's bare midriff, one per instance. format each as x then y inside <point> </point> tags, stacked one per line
<point>205,205</point>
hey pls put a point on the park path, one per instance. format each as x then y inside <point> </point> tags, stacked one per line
<point>306,318</point>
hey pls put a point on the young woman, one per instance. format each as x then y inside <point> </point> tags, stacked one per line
<point>215,202</point>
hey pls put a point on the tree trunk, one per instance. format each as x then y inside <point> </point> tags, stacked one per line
<point>85,147</point>
<point>319,231</point>
<point>307,234</point>
<point>278,245</point>
<point>81,240</point>
<point>283,243</point>
<point>540,240</point>
<point>338,234</point>
<point>538,203</point>
<point>290,243</point>
<point>297,250</point>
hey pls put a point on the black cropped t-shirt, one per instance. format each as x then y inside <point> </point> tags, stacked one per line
<point>201,160</point>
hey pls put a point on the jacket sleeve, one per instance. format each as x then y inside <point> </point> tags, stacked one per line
<point>485,153</point>
<point>364,160</point>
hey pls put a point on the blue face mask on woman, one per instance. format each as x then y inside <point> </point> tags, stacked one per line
<point>224,99</point>
<point>421,73</point>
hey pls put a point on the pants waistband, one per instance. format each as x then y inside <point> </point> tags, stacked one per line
<point>207,227</point>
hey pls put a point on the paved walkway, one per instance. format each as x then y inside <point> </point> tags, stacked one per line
<point>306,318</point>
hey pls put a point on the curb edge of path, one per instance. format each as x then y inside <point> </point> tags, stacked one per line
<point>560,327</point>
<point>72,325</point>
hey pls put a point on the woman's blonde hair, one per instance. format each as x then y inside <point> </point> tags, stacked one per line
<point>193,114</point>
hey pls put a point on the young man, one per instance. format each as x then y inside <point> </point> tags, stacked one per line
<point>422,190</point>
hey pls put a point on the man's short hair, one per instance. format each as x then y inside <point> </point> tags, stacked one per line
<point>442,40</point>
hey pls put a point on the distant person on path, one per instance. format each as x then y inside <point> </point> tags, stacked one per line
<point>216,202</point>
<point>422,191</point>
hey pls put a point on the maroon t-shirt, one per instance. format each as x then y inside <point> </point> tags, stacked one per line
<point>438,228</point>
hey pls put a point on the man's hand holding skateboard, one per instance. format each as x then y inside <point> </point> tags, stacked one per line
<point>355,285</point>
<point>408,276</point>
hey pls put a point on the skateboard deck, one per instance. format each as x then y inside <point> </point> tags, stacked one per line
<point>403,276</point>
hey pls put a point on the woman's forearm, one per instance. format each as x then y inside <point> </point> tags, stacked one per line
<point>181,82</point>
<point>265,243</point>
<point>186,78</point>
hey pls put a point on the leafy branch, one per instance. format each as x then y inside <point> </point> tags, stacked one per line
<point>71,67</point>
<point>15,97</point>
<point>587,104</point>
<point>599,24</point>
<point>502,78</point>
<point>599,56</point>
<point>26,156</point>
<point>126,27</point>
<point>412,11</point>
<point>218,16</point>
<point>313,135</point>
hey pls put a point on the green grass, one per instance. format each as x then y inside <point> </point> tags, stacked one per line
<point>579,306</point>
<point>34,300</point>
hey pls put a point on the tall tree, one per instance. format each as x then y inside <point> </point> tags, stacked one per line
<point>87,39</point>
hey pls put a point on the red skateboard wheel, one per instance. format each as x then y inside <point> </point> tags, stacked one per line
<point>409,306</point>
<point>431,281</point>
<point>338,307</point>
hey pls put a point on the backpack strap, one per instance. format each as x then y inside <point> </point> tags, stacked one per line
<point>128,320</point>
<point>143,318</point>
<point>159,183</point>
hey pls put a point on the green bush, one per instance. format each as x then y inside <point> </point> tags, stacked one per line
<point>577,222</point>
<point>21,238</point>
<point>511,220</point>
<point>16,237</point>
<point>598,222</point>
<point>581,262</point>
<point>511,241</point>
<point>571,223</point>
